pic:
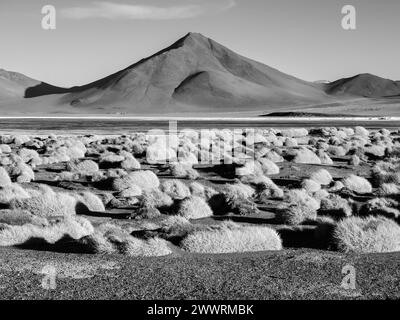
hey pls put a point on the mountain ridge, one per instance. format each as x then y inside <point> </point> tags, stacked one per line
<point>194,74</point>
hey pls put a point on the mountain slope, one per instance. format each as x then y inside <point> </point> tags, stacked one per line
<point>364,85</point>
<point>14,85</point>
<point>195,71</point>
<point>193,75</point>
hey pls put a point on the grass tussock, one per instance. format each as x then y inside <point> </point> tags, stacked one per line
<point>146,180</point>
<point>176,189</point>
<point>357,184</point>
<point>89,202</point>
<point>21,217</point>
<point>12,191</point>
<point>4,178</point>
<point>305,155</point>
<point>322,176</point>
<point>230,237</point>
<point>335,207</point>
<point>74,227</point>
<point>386,172</point>
<point>122,242</point>
<point>85,167</point>
<point>182,170</point>
<point>47,204</point>
<point>381,206</point>
<point>366,235</point>
<point>296,214</point>
<point>194,208</point>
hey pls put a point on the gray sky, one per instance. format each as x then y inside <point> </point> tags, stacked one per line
<point>301,37</point>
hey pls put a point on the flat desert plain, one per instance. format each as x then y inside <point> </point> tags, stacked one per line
<point>262,213</point>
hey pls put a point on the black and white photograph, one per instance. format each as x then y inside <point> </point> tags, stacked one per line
<point>198,157</point>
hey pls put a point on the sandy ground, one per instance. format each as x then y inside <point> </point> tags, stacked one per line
<point>289,274</point>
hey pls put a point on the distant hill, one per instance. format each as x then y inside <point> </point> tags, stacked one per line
<point>14,85</point>
<point>194,75</point>
<point>198,72</point>
<point>364,85</point>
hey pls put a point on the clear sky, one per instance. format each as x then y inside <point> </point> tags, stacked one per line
<point>301,37</point>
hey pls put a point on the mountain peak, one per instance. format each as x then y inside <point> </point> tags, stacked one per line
<point>194,35</point>
<point>193,38</point>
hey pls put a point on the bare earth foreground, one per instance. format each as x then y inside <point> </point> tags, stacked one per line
<point>275,213</point>
<point>289,274</point>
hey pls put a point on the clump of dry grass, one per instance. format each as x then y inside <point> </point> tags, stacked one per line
<point>96,243</point>
<point>361,131</point>
<point>123,243</point>
<point>374,151</point>
<point>4,177</point>
<point>337,151</point>
<point>290,143</point>
<point>249,168</point>
<point>22,171</point>
<point>89,202</point>
<point>67,176</point>
<point>176,189</point>
<point>357,184</point>
<point>154,247</point>
<point>159,153</point>
<point>305,155</point>
<point>48,203</point>
<point>175,227</point>
<point>146,180</point>
<point>234,198</point>
<point>157,199</point>
<point>239,190</point>
<point>194,208</point>
<point>151,204</point>
<point>130,164</point>
<point>267,189</point>
<point>12,191</point>
<point>230,237</point>
<point>181,170</point>
<point>20,139</point>
<point>301,197</point>
<point>299,208</point>
<point>386,172</point>
<point>197,189</point>
<point>85,167</point>
<point>322,176</point>
<point>294,132</point>
<point>366,235</point>
<point>20,217</point>
<point>268,167</point>
<point>133,191</point>
<point>310,186</point>
<point>28,154</point>
<point>296,214</point>
<point>388,189</point>
<point>336,187</point>
<point>111,160</point>
<point>355,160</point>
<point>274,156</point>
<point>74,227</point>
<point>325,158</point>
<point>381,206</point>
<point>335,206</point>
<point>4,148</point>
<point>225,203</point>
